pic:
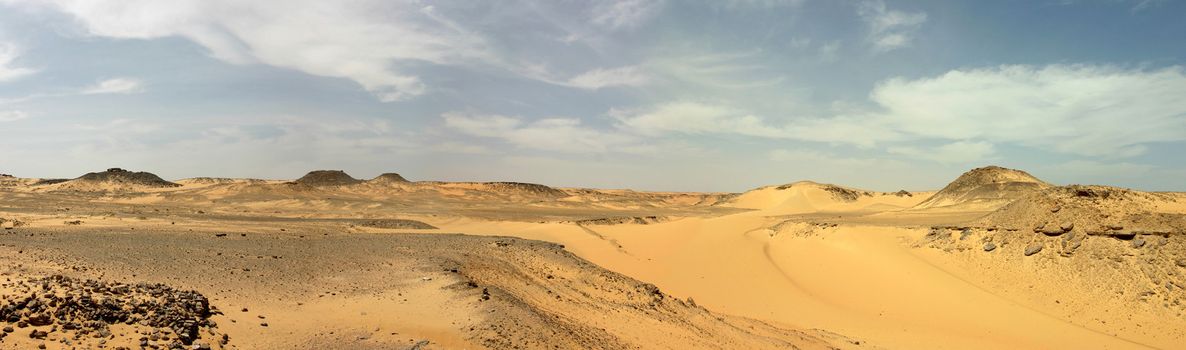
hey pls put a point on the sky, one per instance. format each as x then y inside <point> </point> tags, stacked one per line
<point>692,95</point>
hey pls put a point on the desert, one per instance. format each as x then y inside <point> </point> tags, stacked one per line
<point>997,259</point>
<point>592,174</point>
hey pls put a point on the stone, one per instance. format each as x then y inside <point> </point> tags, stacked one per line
<point>988,247</point>
<point>1033,248</point>
<point>965,233</point>
<point>38,334</point>
<point>1138,243</point>
<point>1050,230</point>
<point>38,320</point>
<point>1067,226</point>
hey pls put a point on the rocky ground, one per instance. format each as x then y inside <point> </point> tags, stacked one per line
<point>313,286</point>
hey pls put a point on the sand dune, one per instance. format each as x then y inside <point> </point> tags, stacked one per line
<point>997,259</point>
<point>809,197</point>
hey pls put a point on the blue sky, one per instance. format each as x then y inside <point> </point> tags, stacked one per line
<point>690,95</point>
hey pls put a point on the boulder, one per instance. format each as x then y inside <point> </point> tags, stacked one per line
<point>1033,248</point>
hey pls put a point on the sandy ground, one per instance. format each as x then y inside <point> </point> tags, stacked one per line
<point>806,265</point>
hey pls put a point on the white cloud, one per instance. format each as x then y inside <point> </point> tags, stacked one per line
<point>617,14</point>
<point>828,52</point>
<point>1071,109</point>
<point>704,118</point>
<point>115,86</point>
<point>9,53</point>
<point>602,78</point>
<point>551,134</point>
<point>1075,109</point>
<point>361,40</point>
<point>955,152</point>
<point>889,29</point>
<point>695,118</point>
<point>10,116</point>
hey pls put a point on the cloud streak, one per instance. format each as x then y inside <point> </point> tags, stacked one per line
<point>115,86</point>
<point>361,40</point>
<point>8,54</point>
<point>1086,110</point>
<point>889,29</point>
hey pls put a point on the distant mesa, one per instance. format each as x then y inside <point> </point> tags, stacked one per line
<point>121,177</point>
<point>218,181</point>
<point>989,187</point>
<point>525,188</point>
<point>327,178</point>
<point>389,178</point>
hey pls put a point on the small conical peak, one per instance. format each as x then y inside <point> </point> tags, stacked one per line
<point>994,174</point>
<point>327,178</point>
<point>121,176</point>
<point>389,177</point>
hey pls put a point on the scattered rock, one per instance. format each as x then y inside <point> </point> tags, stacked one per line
<point>396,224</point>
<point>1067,226</point>
<point>965,233</point>
<point>1033,248</point>
<point>1138,243</point>
<point>38,334</point>
<point>420,345</point>
<point>988,247</point>
<point>91,306</point>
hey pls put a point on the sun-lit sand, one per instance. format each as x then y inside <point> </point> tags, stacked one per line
<point>998,259</point>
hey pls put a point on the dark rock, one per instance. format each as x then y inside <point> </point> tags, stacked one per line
<point>988,247</point>
<point>38,334</point>
<point>38,320</point>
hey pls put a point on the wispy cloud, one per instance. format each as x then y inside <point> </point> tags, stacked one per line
<point>551,134</point>
<point>8,54</point>
<point>603,78</point>
<point>115,86</point>
<point>955,152</point>
<point>1101,111</point>
<point>889,29</point>
<point>11,116</point>
<point>360,40</point>
<point>617,14</point>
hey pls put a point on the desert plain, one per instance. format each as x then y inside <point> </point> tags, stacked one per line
<point>997,259</point>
